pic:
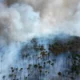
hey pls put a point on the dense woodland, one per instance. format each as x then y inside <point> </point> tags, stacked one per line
<point>44,53</point>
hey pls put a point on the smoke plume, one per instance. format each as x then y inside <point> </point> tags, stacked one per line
<point>23,20</point>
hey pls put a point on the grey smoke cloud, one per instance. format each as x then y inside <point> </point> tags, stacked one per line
<point>57,9</point>
<point>37,18</point>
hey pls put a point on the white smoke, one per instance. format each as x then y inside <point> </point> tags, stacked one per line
<point>19,22</point>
